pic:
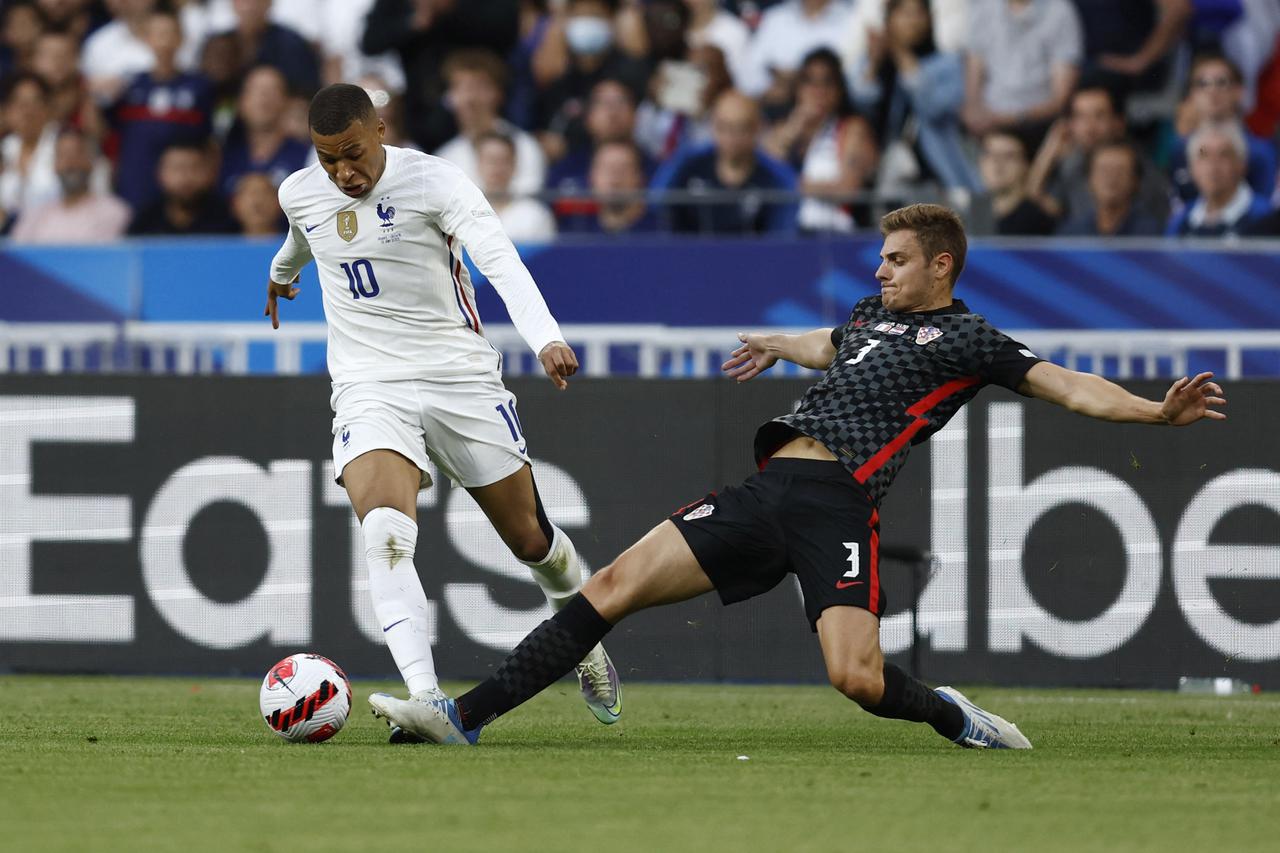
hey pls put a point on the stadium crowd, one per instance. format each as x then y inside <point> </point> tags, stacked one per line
<point>1071,117</point>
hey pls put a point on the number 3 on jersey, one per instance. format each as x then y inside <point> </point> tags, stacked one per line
<point>862,353</point>
<point>355,279</point>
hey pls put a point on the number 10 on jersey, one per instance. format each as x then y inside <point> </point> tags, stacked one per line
<point>356,279</point>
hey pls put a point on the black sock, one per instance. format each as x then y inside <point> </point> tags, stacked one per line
<point>549,652</point>
<point>907,699</point>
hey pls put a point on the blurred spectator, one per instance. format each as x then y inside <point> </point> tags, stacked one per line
<point>263,42</point>
<point>307,18</point>
<point>711,25</point>
<point>679,113</point>
<point>476,79</point>
<point>258,142</point>
<point>1264,120</point>
<point>1251,43</point>
<point>582,51</point>
<point>1114,170</point>
<point>1129,44</point>
<point>734,163</point>
<point>117,51</point>
<point>21,26</point>
<point>158,107</point>
<point>27,178</point>
<point>1004,165</point>
<point>524,219</point>
<point>617,181</point>
<point>80,215</point>
<point>387,104</point>
<point>73,16</point>
<point>422,32</point>
<point>831,147</point>
<point>1024,58</point>
<point>950,28</point>
<point>1059,176</point>
<point>56,61</point>
<point>256,207</point>
<point>1216,97</point>
<point>787,34</point>
<point>341,28</point>
<point>1225,203</point>
<point>611,117</point>
<point>188,203</point>
<point>913,94</point>
<point>220,65</point>
<point>522,91</point>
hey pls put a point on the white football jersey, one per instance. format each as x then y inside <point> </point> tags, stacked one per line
<point>397,297</point>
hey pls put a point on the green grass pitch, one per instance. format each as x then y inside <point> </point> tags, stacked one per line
<point>185,764</point>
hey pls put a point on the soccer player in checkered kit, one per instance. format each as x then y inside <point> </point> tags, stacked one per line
<point>414,377</point>
<point>901,366</point>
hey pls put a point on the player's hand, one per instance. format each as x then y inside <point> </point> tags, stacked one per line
<point>288,291</point>
<point>559,362</point>
<point>750,359</point>
<point>1189,400</point>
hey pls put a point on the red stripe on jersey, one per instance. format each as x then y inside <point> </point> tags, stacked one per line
<point>468,313</point>
<point>873,595</point>
<point>918,409</point>
<point>134,112</point>
<point>457,276</point>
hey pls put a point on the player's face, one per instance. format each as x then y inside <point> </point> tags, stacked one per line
<point>353,158</point>
<point>908,280</point>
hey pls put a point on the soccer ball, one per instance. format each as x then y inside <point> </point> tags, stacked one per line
<point>305,698</point>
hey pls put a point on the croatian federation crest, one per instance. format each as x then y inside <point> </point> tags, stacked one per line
<point>928,333</point>
<point>348,225</point>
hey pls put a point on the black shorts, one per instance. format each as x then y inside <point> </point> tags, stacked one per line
<point>797,515</point>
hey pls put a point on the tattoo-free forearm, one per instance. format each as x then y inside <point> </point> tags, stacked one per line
<point>811,349</point>
<point>1099,398</point>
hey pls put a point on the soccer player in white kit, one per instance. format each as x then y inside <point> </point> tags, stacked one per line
<point>413,375</point>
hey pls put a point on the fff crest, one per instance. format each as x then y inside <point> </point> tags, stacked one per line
<point>348,225</point>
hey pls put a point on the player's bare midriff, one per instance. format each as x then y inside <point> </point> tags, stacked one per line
<point>803,447</point>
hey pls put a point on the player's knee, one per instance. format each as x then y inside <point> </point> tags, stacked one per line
<point>611,590</point>
<point>863,685</point>
<point>529,546</point>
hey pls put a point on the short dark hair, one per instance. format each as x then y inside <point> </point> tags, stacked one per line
<point>938,229</point>
<point>1214,56</point>
<point>496,136</point>
<point>476,60</point>
<point>10,85</point>
<point>630,147</point>
<point>1113,145</point>
<point>1097,84</point>
<point>335,107</point>
<point>194,145</point>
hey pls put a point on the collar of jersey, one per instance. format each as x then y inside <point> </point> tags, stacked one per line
<point>956,307</point>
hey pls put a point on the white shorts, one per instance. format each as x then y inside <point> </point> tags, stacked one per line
<point>470,429</point>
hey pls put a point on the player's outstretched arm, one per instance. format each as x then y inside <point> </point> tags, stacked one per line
<point>760,352</point>
<point>1187,401</point>
<point>288,291</point>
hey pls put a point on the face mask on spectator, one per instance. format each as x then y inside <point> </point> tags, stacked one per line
<point>588,35</point>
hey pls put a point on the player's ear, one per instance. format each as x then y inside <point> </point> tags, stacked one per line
<point>942,265</point>
<point>382,130</point>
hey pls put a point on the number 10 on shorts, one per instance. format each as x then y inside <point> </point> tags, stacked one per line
<point>853,559</point>
<point>512,418</point>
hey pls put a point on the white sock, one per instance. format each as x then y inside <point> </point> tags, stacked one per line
<point>560,572</point>
<point>399,601</point>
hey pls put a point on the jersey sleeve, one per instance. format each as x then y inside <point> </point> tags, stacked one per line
<point>468,216</point>
<point>1004,361</point>
<point>296,251</point>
